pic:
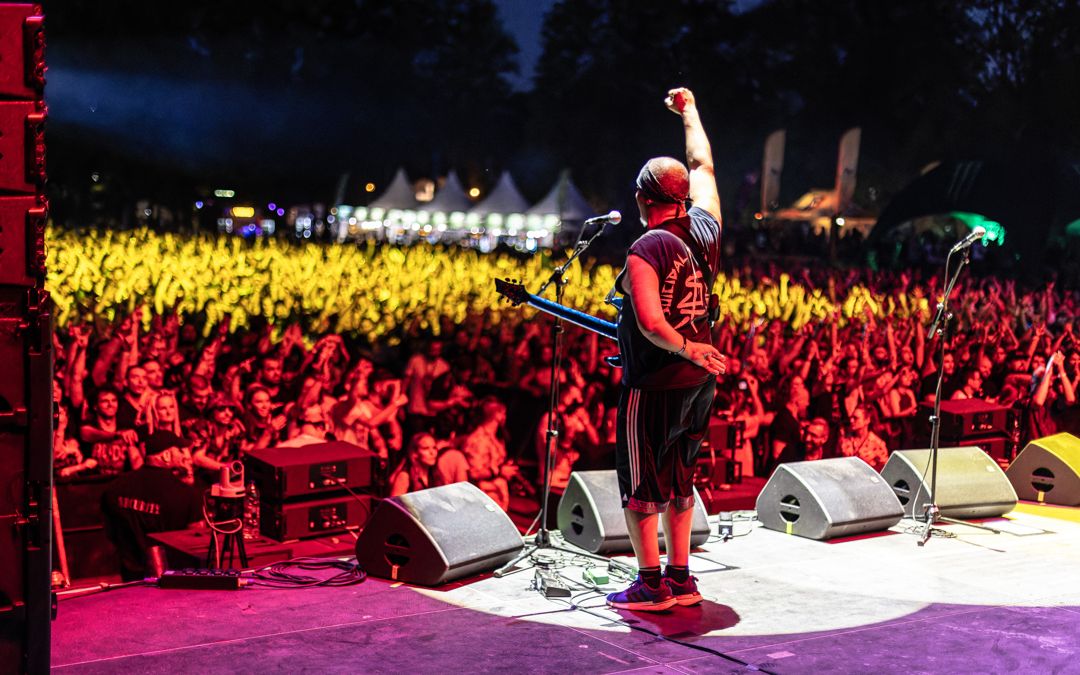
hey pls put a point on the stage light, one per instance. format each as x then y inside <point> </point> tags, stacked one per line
<point>840,221</point>
<point>243,211</point>
<point>225,193</point>
<point>370,187</point>
<point>995,231</point>
<point>271,206</point>
<point>474,192</point>
<point>280,212</point>
<point>198,204</point>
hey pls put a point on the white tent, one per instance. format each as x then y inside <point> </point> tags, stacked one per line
<point>564,201</point>
<point>503,199</point>
<point>399,195</point>
<point>450,198</point>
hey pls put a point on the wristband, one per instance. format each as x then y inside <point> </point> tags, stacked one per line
<point>681,349</point>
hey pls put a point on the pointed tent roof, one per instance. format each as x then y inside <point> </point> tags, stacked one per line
<point>451,197</point>
<point>564,200</point>
<point>399,195</point>
<point>504,198</point>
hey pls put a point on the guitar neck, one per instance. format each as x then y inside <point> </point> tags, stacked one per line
<point>587,321</point>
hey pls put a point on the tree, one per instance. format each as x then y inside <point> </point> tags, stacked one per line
<point>602,77</point>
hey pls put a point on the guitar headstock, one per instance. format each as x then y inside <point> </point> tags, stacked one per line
<point>512,291</point>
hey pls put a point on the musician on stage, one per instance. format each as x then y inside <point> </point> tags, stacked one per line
<point>669,363</point>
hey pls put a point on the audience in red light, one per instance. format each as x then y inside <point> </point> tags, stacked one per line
<point>802,383</point>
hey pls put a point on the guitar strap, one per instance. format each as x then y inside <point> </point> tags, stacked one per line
<point>678,229</point>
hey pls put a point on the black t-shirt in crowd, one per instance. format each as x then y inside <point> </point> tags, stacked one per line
<point>787,429</point>
<point>148,500</point>
<point>685,253</point>
<point>127,417</point>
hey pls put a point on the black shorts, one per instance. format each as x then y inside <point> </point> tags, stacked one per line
<point>658,434</point>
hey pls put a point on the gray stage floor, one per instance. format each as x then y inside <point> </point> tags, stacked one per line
<point>967,602</point>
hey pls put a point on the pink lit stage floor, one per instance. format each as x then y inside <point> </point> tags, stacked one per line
<point>970,601</point>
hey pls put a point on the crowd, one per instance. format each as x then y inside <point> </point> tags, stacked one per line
<point>211,348</point>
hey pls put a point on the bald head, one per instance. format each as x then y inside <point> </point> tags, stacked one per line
<point>664,180</point>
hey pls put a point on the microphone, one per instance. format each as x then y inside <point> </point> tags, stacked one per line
<point>614,218</point>
<point>977,232</point>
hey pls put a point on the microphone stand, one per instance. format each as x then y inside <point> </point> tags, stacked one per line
<point>542,540</point>
<point>939,327</point>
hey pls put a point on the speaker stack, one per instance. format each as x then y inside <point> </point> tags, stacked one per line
<point>434,536</point>
<point>1048,471</point>
<point>590,514</point>
<point>26,405</point>
<point>312,491</point>
<point>972,422</point>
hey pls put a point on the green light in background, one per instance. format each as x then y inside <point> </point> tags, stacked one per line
<point>1073,228</point>
<point>995,232</point>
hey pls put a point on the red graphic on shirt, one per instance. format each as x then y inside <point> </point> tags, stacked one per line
<point>692,304</point>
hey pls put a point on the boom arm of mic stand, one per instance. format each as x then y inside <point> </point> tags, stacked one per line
<point>557,273</point>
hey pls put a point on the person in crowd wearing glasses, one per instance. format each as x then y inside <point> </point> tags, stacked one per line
<point>669,362</point>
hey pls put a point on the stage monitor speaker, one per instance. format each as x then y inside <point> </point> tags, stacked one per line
<point>591,514</point>
<point>970,484</point>
<point>433,536</point>
<point>827,498</point>
<point>1048,471</point>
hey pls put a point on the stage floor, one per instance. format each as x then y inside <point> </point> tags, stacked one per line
<point>967,602</point>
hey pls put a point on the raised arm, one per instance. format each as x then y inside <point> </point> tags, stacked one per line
<point>699,157</point>
<point>75,372</point>
<point>1066,384</point>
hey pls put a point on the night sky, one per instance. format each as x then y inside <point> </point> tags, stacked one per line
<point>281,98</point>
<point>153,99</point>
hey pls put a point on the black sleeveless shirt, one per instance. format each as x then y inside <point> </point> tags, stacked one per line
<point>685,253</point>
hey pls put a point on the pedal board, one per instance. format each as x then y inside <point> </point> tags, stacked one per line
<point>201,579</point>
